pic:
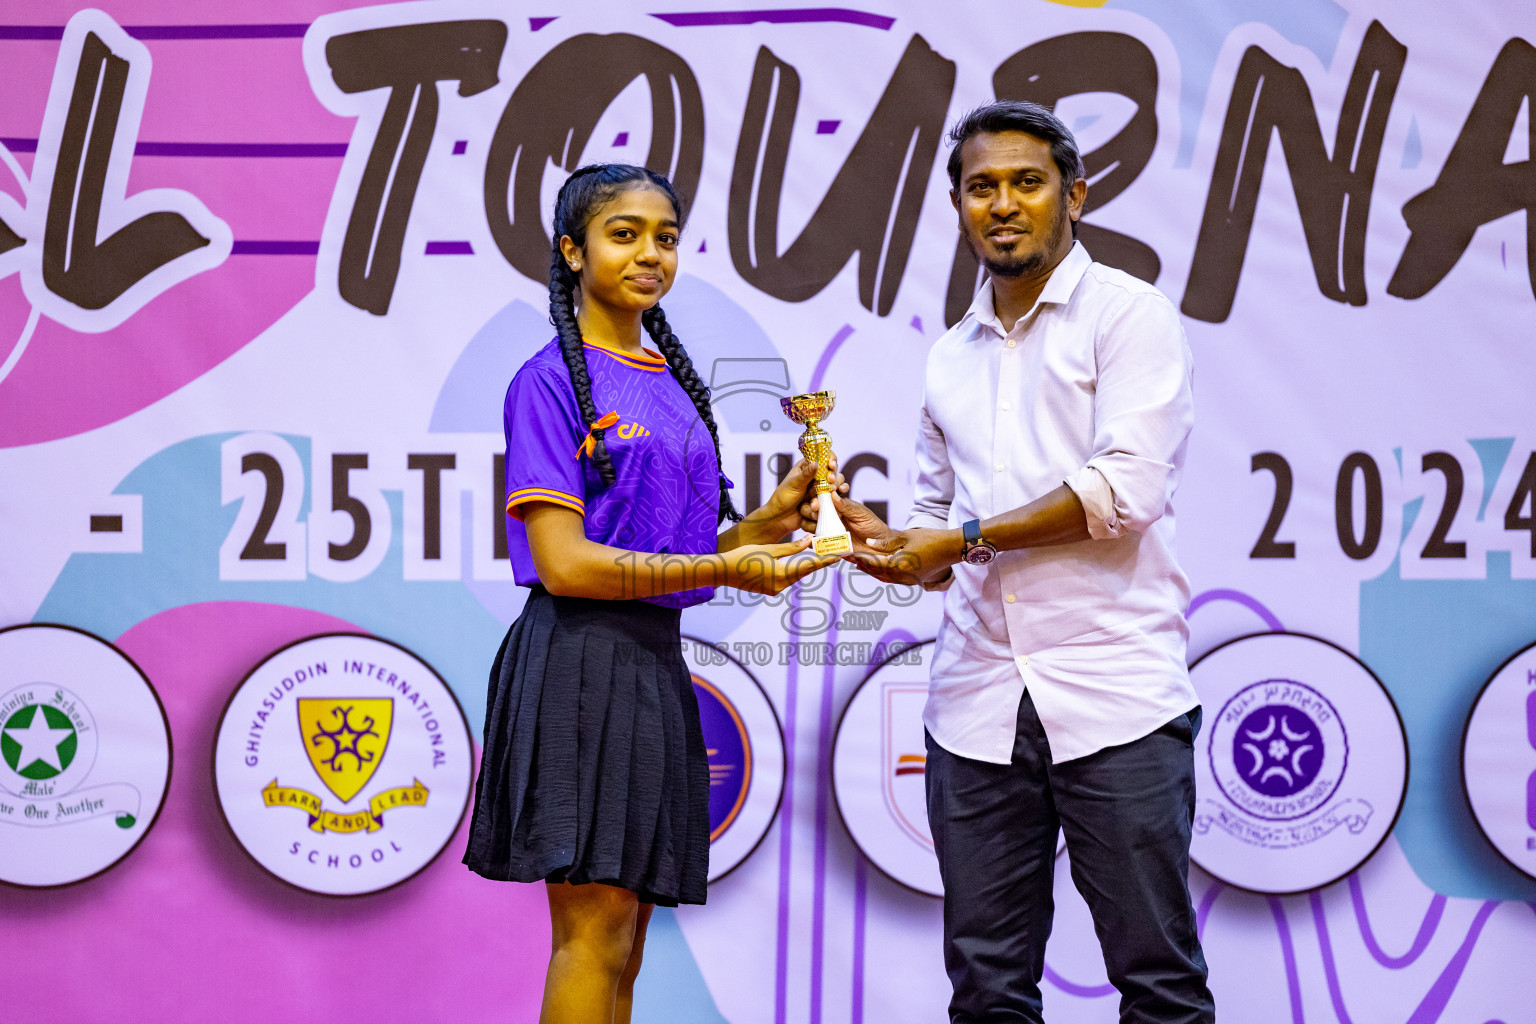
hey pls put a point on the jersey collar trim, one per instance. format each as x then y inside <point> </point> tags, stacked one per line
<point>653,362</point>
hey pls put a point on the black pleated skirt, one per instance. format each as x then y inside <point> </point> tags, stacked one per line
<point>594,767</point>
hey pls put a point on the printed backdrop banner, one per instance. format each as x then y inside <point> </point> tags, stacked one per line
<point>266,269</point>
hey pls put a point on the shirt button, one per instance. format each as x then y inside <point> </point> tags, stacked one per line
<point>1010,599</point>
<point>1004,406</point>
<point>1012,343</point>
<point>999,467</point>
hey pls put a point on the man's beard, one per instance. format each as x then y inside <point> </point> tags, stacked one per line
<point>1011,265</point>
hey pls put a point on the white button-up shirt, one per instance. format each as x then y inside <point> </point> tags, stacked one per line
<point>1092,388</point>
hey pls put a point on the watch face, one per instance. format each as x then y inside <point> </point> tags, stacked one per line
<point>980,554</point>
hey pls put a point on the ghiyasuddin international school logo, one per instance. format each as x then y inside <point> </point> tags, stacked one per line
<point>84,755</point>
<point>346,740</point>
<point>1303,768</point>
<point>343,764</point>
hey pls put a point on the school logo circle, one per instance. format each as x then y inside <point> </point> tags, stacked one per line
<point>85,755</point>
<point>40,741</point>
<point>1498,760</point>
<point>1302,769</point>
<point>745,745</point>
<point>1278,749</point>
<point>879,758</point>
<point>343,764</point>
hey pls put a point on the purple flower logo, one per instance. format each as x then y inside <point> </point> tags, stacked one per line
<point>1278,750</point>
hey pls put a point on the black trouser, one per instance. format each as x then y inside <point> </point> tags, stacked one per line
<point>1126,812</point>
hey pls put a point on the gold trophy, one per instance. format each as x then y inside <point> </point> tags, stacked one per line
<point>832,538</point>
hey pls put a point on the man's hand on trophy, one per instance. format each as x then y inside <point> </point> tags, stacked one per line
<point>862,524</point>
<point>913,557</point>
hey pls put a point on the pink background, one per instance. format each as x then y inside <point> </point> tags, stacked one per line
<point>227,941</point>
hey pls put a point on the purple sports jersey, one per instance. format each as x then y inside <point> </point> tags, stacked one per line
<point>666,497</point>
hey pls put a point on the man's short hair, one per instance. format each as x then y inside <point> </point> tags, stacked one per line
<point>1018,116</point>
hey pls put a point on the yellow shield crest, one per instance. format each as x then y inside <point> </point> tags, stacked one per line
<point>345,738</point>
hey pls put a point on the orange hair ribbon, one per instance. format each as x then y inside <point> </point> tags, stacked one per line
<point>588,443</point>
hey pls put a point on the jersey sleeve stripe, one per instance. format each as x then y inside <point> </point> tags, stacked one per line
<point>528,494</point>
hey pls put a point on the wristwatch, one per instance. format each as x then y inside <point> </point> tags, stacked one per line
<point>978,550</point>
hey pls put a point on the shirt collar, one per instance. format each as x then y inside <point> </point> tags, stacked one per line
<point>1058,289</point>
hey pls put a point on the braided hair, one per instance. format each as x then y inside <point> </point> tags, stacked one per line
<point>584,192</point>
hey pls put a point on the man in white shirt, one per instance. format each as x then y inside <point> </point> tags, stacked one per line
<point>1055,419</point>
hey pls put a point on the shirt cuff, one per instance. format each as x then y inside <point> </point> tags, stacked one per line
<point>1098,500</point>
<point>942,583</point>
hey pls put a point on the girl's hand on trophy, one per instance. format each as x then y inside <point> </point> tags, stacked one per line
<point>839,484</point>
<point>772,568</point>
<point>783,512</point>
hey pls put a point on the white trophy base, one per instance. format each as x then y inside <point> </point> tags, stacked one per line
<point>832,537</point>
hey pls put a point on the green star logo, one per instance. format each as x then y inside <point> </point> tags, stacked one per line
<point>38,742</point>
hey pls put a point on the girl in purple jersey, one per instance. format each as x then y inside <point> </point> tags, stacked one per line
<point>594,778</point>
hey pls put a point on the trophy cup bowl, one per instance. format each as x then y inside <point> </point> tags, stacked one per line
<point>832,538</point>
<point>809,409</point>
